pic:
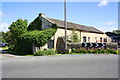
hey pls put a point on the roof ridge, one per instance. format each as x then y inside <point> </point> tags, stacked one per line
<point>74,25</point>
<point>69,22</point>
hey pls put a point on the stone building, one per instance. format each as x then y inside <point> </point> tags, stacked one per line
<point>114,37</point>
<point>86,34</point>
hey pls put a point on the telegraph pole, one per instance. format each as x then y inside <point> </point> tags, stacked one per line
<point>65,24</point>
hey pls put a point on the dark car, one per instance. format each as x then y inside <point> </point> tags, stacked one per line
<point>3,44</point>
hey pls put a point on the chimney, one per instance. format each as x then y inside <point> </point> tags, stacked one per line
<point>42,14</point>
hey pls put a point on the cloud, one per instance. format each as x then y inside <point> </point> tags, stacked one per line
<point>4,27</point>
<point>108,28</point>
<point>103,3</point>
<point>1,14</point>
<point>110,23</point>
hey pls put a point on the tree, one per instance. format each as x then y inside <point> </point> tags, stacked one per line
<point>74,37</point>
<point>1,37</point>
<point>7,37</point>
<point>16,29</point>
<point>116,31</point>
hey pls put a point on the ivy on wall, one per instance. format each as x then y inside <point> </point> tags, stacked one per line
<point>39,38</point>
<point>35,25</point>
<point>33,34</point>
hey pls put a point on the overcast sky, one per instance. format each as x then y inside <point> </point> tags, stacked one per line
<point>102,15</point>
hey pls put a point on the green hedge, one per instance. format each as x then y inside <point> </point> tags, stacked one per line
<point>45,52</point>
<point>96,51</point>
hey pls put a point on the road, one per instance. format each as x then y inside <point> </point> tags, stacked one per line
<point>60,66</point>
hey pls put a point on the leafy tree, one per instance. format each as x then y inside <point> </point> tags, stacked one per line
<point>1,37</point>
<point>116,31</point>
<point>16,29</point>
<point>74,37</point>
<point>8,37</point>
<point>24,37</point>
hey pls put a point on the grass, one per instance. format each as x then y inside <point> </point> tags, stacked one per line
<point>28,55</point>
<point>72,53</point>
<point>5,48</point>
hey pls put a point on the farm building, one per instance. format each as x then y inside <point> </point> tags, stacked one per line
<point>85,34</point>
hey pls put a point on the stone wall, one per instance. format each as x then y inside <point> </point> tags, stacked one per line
<point>46,24</point>
<point>94,37</point>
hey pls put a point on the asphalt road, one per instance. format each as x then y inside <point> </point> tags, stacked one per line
<point>66,66</point>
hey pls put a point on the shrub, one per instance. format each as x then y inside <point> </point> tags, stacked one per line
<point>74,50</point>
<point>45,52</point>
<point>92,51</point>
<point>112,51</point>
<point>11,47</point>
<point>39,53</point>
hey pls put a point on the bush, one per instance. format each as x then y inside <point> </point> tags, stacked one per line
<point>45,52</point>
<point>112,51</point>
<point>11,47</point>
<point>92,51</point>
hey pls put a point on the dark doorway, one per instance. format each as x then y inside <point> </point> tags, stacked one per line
<point>51,44</point>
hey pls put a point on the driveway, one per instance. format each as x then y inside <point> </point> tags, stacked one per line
<point>61,66</point>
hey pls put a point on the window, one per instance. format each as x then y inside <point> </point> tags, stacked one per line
<point>84,39</point>
<point>105,40</point>
<point>88,39</point>
<point>51,44</point>
<point>100,39</point>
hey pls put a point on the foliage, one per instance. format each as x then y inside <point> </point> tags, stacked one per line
<point>11,47</point>
<point>24,47</point>
<point>116,31</point>
<point>7,37</point>
<point>39,38</point>
<point>74,37</point>
<point>17,28</point>
<point>22,37</point>
<point>92,51</point>
<point>5,48</point>
<point>45,52</point>
<point>54,26</point>
<point>112,51</point>
<point>1,37</point>
<point>35,25</point>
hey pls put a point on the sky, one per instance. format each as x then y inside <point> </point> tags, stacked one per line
<point>102,15</point>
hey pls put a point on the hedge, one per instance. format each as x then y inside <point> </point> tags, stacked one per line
<point>97,51</point>
<point>45,52</point>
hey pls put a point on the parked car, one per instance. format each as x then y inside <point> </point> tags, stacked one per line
<point>3,44</point>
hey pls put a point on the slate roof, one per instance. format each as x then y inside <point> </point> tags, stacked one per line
<point>71,25</point>
<point>112,34</point>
